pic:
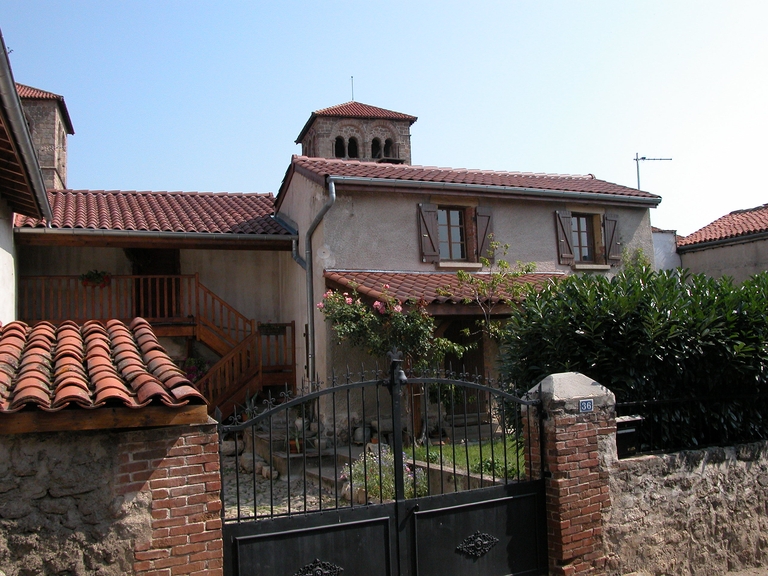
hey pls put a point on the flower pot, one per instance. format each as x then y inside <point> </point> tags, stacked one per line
<point>295,446</point>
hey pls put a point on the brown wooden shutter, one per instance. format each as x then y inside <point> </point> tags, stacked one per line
<point>564,231</point>
<point>430,248</point>
<point>612,244</point>
<point>484,230</point>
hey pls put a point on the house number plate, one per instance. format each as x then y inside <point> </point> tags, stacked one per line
<point>586,405</point>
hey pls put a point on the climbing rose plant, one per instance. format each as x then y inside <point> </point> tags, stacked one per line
<point>387,324</point>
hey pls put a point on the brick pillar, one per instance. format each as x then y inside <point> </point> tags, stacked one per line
<point>177,470</point>
<point>579,447</point>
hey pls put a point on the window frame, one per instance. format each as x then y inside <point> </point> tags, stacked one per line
<point>604,240</point>
<point>477,232</point>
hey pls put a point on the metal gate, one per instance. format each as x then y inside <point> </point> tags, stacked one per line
<point>387,476</point>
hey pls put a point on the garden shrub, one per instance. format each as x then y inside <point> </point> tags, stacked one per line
<point>654,337</point>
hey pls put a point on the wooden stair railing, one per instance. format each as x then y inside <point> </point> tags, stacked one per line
<point>220,326</point>
<point>266,358</point>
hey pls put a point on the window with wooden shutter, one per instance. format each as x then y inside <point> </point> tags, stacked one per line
<point>563,229</point>
<point>428,237</point>
<point>484,230</point>
<point>612,244</point>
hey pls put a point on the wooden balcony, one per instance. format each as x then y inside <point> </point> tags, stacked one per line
<point>253,356</point>
<point>176,305</point>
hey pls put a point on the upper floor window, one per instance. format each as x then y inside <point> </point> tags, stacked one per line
<point>584,238</point>
<point>451,233</point>
<point>454,233</point>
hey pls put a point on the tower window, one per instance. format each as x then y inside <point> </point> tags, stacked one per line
<point>352,148</point>
<point>389,148</point>
<point>376,148</point>
<point>339,147</point>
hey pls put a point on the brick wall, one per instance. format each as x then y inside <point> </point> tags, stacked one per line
<point>577,459</point>
<point>179,468</point>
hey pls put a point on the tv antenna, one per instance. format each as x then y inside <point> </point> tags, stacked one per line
<point>639,159</point>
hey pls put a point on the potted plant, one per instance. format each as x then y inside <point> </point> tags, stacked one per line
<point>296,442</point>
<point>95,277</point>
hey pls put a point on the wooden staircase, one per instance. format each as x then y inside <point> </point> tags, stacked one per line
<point>254,356</point>
<point>264,359</point>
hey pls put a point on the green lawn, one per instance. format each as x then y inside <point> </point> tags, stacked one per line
<point>492,460</point>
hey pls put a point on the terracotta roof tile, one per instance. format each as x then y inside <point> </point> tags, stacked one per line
<point>322,167</point>
<point>188,212</point>
<point>734,225</point>
<point>359,110</point>
<point>428,287</point>
<point>88,366</point>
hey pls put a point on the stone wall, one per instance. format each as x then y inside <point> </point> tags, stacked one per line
<point>111,503</point>
<point>49,138</point>
<point>693,512</point>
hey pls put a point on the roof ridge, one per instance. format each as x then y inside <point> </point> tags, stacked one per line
<point>157,192</point>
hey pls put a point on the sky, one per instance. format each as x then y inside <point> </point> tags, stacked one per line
<point>210,96</point>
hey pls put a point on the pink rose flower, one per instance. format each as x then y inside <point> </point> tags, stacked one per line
<point>348,300</point>
<point>398,308</point>
<point>320,305</point>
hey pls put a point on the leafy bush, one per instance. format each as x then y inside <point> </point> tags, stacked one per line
<point>651,336</point>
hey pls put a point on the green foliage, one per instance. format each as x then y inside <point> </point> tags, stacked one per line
<point>386,325</point>
<point>653,337</point>
<point>498,286</point>
<point>376,472</point>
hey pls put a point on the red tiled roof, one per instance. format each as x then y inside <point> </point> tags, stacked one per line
<point>355,110</point>
<point>88,366</point>
<point>190,212</point>
<point>359,110</point>
<point>31,93</point>
<point>734,225</point>
<point>322,167</point>
<point>428,287</point>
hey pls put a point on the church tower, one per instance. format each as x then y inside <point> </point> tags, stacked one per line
<point>49,124</point>
<point>357,131</point>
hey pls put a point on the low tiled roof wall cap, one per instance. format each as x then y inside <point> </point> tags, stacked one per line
<point>90,366</point>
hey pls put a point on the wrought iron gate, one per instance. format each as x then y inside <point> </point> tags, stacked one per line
<point>388,476</point>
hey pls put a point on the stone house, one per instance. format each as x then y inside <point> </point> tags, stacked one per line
<point>734,245</point>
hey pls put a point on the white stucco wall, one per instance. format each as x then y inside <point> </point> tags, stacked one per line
<point>7,265</point>
<point>665,254</point>
<point>244,279</point>
<point>739,261</point>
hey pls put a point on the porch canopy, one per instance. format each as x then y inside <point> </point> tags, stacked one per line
<point>442,293</point>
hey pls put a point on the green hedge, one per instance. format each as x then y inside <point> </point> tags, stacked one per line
<point>651,336</point>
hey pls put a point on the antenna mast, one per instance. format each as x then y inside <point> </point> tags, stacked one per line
<point>637,162</point>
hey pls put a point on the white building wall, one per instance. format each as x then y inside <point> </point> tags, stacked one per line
<point>665,254</point>
<point>7,265</point>
<point>739,261</point>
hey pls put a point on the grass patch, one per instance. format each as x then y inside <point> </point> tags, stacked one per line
<point>487,457</point>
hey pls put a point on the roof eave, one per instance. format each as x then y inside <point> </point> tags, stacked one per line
<point>452,187</point>
<point>247,240</point>
<point>11,104</point>
<point>741,239</point>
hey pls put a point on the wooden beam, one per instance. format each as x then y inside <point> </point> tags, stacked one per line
<point>182,330</point>
<point>31,421</point>
<point>128,241</point>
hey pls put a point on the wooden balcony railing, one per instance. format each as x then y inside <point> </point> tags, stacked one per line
<point>161,299</point>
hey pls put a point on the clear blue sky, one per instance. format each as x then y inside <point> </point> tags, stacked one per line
<point>211,95</point>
